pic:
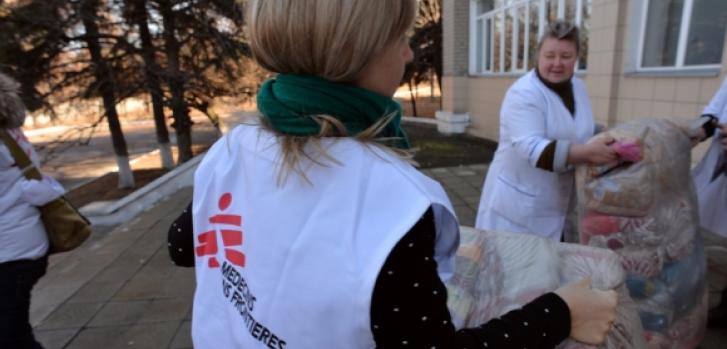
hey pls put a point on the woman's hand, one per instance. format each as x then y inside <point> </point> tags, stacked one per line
<point>591,311</point>
<point>595,152</point>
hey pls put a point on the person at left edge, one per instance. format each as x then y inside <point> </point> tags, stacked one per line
<point>23,240</point>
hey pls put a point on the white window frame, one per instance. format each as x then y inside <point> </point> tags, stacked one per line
<point>681,45</point>
<point>500,14</point>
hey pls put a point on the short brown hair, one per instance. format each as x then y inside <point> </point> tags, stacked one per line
<point>562,30</point>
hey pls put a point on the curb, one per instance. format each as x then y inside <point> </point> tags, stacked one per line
<point>419,120</point>
<point>122,210</point>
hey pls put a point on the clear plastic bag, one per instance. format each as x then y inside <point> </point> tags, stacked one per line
<point>499,272</point>
<point>646,212</point>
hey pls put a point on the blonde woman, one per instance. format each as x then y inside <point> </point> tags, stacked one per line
<point>312,232</point>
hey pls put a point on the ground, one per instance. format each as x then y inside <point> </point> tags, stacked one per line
<point>434,150</point>
<point>105,187</point>
<point>437,150</point>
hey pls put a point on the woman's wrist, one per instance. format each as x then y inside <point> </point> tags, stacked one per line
<point>576,154</point>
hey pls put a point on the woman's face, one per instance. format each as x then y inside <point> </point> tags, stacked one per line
<point>383,74</point>
<point>557,60</point>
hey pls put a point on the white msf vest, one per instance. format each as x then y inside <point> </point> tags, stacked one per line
<point>293,265</point>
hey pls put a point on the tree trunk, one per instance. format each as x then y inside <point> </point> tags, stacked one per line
<point>438,59</point>
<point>106,87</point>
<point>213,117</point>
<point>413,99</point>
<point>176,81</point>
<point>431,85</point>
<point>151,72</point>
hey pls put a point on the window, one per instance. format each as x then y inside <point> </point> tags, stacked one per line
<point>505,33</point>
<point>682,34</point>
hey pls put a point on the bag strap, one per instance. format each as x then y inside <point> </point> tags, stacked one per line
<point>21,159</point>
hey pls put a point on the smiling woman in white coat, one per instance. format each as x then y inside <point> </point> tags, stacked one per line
<point>545,123</point>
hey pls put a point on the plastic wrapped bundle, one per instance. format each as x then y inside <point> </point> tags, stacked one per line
<point>645,210</point>
<point>499,272</point>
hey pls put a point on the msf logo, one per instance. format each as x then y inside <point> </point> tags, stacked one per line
<point>229,227</point>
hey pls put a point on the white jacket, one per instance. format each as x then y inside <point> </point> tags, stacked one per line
<point>293,264</point>
<point>517,196</point>
<point>712,195</point>
<point>22,235</point>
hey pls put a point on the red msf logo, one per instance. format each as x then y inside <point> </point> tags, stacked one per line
<point>231,232</point>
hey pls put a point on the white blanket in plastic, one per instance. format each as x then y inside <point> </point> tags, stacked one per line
<point>499,272</point>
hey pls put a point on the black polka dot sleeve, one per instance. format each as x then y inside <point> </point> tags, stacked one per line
<point>180,239</point>
<point>409,306</point>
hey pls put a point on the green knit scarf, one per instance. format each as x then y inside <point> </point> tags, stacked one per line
<point>288,101</point>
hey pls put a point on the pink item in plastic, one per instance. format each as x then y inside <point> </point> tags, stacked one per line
<point>627,151</point>
<point>596,223</point>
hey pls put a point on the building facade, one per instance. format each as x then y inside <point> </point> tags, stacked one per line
<point>640,58</point>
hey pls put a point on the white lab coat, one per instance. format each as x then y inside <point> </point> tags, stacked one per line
<point>517,196</point>
<point>712,195</point>
<point>22,234</point>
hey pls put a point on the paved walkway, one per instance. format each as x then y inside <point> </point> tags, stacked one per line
<point>120,290</point>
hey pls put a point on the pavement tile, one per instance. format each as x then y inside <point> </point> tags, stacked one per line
<point>119,313</point>
<point>46,299</point>
<point>137,312</point>
<point>479,167</point>
<point>455,199</point>
<point>464,191</point>
<point>472,200</point>
<point>181,286</point>
<point>162,310</point>
<point>464,211</point>
<point>55,339</point>
<point>183,338</point>
<point>449,180</point>
<point>70,315</point>
<point>143,336</point>
<point>140,289</point>
<point>117,272</point>
<point>95,291</point>
<point>464,172</point>
<point>458,185</point>
<point>474,179</point>
<point>467,219</point>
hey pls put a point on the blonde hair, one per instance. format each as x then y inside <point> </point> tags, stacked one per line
<point>331,39</point>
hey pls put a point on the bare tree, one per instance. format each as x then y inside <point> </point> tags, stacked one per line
<point>28,61</point>
<point>184,55</point>
<point>426,42</point>
<point>203,46</point>
<point>136,13</point>
<point>107,88</point>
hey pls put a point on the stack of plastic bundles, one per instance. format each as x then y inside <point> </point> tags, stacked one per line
<point>644,208</point>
